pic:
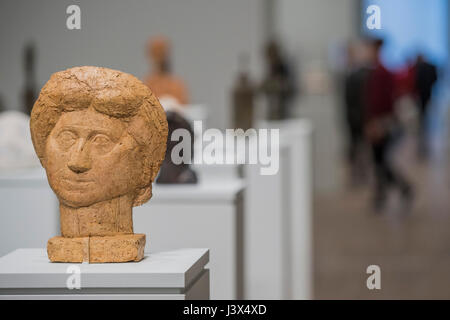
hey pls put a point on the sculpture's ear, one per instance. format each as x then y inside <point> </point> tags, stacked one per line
<point>154,171</point>
<point>143,196</point>
<point>43,161</point>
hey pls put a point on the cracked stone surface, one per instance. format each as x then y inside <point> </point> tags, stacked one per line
<point>101,136</point>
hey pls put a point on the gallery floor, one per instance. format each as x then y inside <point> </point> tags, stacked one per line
<point>412,247</point>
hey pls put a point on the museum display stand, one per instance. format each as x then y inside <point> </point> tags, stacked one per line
<point>178,274</point>
<point>28,208</point>
<point>279,223</point>
<point>207,215</point>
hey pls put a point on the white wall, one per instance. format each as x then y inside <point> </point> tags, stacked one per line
<point>309,26</point>
<point>207,37</point>
<point>309,29</point>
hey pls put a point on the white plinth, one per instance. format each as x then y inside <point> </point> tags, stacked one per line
<point>278,219</point>
<point>179,274</point>
<point>29,213</point>
<point>209,214</point>
<point>203,215</point>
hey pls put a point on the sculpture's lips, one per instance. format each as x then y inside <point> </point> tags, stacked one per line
<point>79,182</point>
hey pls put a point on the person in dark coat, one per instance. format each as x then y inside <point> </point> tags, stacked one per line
<point>354,85</point>
<point>426,77</point>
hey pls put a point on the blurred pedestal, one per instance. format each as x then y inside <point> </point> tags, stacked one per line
<point>196,112</point>
<point>180,274</point>
<point>278,225</point>
<point>28,208</point>
<point>208,214</point>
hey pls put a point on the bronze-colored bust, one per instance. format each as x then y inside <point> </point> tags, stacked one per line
<point>170,172</point>
<point>101,136</point>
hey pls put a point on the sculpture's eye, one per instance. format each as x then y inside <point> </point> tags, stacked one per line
<point>66,139</point>
<point>102,143</point>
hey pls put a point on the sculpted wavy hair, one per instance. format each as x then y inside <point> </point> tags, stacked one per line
<point>110,92</point>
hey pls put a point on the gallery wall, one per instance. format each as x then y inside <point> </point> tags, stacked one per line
<point>312,31</point>
<point>207,37</point>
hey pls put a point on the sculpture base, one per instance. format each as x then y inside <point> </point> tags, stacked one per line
<point>119,248</point>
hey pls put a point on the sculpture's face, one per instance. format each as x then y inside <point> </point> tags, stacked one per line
<point>90,157</point>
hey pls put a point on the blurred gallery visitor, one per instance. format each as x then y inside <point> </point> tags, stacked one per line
<point>381,127</point>
<point>354,109</point>
<point>425,78</point>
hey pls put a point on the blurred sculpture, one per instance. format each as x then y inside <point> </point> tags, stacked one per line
<point>243,96</point>
<point>170,172</point>
<point>16,149</point>
<point>2,106</point>
<point>101,136</point>
<point>278,86</point>
<point>29,92</point>
<point>161,81</point>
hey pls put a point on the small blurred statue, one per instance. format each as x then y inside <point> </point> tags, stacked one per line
<point>170,172</point>
<point>2,106</point>
<point>278,85</point>
<point>243,97</point>
<point>29,93</point>
<point>161,81</point>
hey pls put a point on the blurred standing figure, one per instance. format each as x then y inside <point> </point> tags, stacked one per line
<point>161,81</point>
<point>426,77</point>
<point>29,93</point>
<point>278,85</point>
<point>2,107</point>
<point>243,96</point>
<point>380,124</point>
<point>354,85</point>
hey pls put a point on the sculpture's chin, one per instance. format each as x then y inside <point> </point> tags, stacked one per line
<point>86,198</point>
<point>77,198</point>
<point>78,201</point>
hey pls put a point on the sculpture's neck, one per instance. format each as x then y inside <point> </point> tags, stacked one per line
<point>105,218</point>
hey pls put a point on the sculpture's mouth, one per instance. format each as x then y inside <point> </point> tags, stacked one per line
<point>77,182</point>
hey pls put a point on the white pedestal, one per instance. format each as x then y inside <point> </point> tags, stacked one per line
<point>209,214</point>
<point>204,215</point>
<point>277,221</point>
<point>196,112</point>
<point>28,209</point>
<point>180,274</point>
<point>278,226</point>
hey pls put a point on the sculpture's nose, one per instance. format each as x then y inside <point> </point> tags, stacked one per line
<point>79,161</point>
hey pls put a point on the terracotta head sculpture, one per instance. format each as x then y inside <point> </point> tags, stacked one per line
<point>160,80</point>
<point>158,51</point>
<point>101,136</point>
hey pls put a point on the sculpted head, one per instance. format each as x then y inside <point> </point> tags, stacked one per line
<point>158,52</point>
<point>100,134</point>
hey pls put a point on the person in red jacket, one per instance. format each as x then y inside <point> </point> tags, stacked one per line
<point>380,123</point>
